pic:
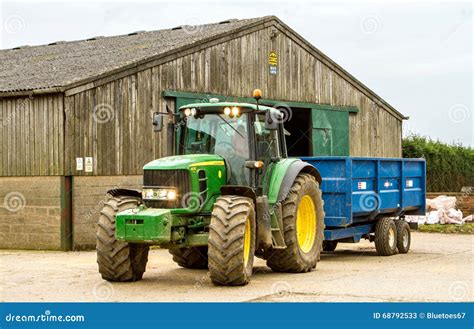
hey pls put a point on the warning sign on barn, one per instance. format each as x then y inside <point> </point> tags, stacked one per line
<point>273,63</point>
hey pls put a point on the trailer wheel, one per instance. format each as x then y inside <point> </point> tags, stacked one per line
<point>403,236</point>
<point>118,260</point>
<point>231,245</point>
<point>303,226</point>
<point>190,257</point>
<point>329,245</point>
<point>386,237</point>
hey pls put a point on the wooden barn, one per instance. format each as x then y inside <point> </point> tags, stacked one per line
<point>75,117</point>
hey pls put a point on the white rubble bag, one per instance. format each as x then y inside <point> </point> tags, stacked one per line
<point>434,217</point>
<point>452,216</point>
<point>441,202</point>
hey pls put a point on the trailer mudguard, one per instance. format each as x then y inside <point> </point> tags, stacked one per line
<point>284,174</point>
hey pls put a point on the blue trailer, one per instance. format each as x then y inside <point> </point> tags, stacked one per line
<point>360,192</point>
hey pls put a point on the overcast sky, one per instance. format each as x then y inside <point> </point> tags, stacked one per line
<point>418,57</point>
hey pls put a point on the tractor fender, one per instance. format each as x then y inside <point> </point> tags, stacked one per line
<point>239,190</point>
<point>124,192</point>
<point>290,174</point>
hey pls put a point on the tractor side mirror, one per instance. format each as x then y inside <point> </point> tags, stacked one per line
<point>270,122</point>
<point>157,122</point>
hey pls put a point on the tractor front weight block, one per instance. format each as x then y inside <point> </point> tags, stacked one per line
<point>144,225</point>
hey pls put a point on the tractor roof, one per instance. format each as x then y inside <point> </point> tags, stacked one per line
<point>204,106</point>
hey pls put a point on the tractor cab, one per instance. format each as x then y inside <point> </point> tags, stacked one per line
<point>247,136</point>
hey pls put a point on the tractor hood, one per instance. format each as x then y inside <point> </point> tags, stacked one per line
<point>185,161</point>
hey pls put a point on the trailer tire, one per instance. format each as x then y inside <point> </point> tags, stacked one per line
<point>118,260</point>
<point>231,245</point>
<point>195,257</point>
<point>329,245</point>
<point>386,237</point>
<point>403,236</point>
<point>295,257</point>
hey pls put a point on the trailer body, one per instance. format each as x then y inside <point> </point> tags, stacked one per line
<point>357,191</point>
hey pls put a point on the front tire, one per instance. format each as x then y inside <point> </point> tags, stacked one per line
<point>386,237</point>
<point>231,245</point>
<point>303,226</point>
<point>118,260</point>
<point>195,257</point>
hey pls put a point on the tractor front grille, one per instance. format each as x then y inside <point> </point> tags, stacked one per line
<point>177,178</point>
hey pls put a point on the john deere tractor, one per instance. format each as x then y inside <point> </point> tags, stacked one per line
<point>228,194</point>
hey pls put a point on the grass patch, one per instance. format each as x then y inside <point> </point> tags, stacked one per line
<point>467,228</point>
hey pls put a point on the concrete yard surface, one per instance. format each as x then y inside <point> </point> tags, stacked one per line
<point>438,268</point>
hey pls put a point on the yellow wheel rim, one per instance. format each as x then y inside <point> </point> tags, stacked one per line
<point>247,242</point>
<point>306,224</point>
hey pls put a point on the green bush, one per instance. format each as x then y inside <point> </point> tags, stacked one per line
<point>448,167</point>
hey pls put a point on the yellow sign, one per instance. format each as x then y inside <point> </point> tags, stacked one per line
<point>273,58</point>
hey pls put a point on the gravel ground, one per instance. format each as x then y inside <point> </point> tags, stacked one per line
<point>438,268</point>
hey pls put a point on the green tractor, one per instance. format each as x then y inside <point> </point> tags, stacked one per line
<point>230,193</point>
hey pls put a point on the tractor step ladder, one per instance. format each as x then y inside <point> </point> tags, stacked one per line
<point>276,227</point>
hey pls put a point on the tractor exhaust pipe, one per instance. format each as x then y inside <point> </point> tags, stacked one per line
<point>170,144</point>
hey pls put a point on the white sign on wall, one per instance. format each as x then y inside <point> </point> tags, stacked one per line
<point>79,164</point>
<point>89,164</point>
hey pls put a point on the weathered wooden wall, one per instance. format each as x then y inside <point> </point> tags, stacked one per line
<point>112,124</point>
<point>234,67</point>
<point>32,135</point>
<point>111,121</point>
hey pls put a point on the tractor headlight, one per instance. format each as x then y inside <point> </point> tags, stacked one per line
<point>159,194</point>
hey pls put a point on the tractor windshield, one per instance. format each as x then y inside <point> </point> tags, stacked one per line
<point>219,134</point>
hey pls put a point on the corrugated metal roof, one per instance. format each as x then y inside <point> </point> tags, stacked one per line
<point>61,63</point>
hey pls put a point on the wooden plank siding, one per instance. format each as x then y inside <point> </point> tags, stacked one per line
<point>122,145</point>
<point>32,135</point>
<point>44,137</point>
<point>236,67</point>
<point>112,124</point>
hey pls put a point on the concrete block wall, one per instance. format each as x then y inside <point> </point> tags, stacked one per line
<point>88,198</point>
<point>30,212</point>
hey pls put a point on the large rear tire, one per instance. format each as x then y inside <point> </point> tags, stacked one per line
<point>232,241</point>
<point>118,260</point>
<point>303,225</point>
<point>190,257</point>
<point>386,237</point>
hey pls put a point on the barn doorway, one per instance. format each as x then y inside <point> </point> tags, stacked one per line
<point>299,125</point>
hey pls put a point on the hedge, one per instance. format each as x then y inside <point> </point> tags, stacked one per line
<point>449,167</point>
